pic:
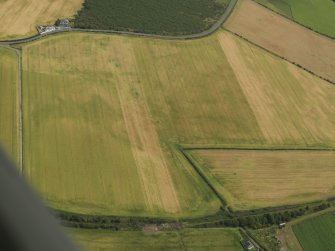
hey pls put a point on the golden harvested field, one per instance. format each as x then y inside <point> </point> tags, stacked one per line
<point>250,179</point>
<point>20,17</point>
<point>103,116</point>
<point>106,156</point>
<point>292,107</point>
<point>9,107</point>
<point>284,37</point>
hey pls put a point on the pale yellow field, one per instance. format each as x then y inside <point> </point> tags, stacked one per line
<point>292,107</point>
<point>250,179</point>
<point>89,127</point>
<point>284,37</point>
<point>20,17</point>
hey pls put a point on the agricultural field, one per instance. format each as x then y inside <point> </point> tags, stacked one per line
<point>316,233</point>
<point>9,107</point>
<point>317,15</point>
<point>19,18</point>
<point>283,37</point>
<point>196,239</point>
<point>282,97</point>
<point>116,107</point>
<point>151,16</point>
<point>249,179</point>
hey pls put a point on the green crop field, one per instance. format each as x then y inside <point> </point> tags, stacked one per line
<point>280,6</point>
<point>249,179</point>
<point>317,14</point>
<point>317,233</point>
<point>103,116</point>
<point>197,239</point>
<point>9,108</point>
<point>151,16</point>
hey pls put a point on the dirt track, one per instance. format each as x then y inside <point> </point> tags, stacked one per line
<point>284,38</point>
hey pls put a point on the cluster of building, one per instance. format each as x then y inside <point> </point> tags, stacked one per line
<point>61,24</point>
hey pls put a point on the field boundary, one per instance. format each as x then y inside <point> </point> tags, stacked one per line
<point>295,21</point>
<point>205,33</point>
<point>257,211</point>
<point>221,218</point>
<point>281,57</point>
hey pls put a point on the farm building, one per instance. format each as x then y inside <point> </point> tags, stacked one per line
<point>63,22</point>
<point>247,245</point>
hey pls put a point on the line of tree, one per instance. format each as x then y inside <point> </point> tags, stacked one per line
<point>266,219</point>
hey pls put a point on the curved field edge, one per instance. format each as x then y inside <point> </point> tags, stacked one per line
<point>156,17</point>
<point>209,31</point>
<point>20,18</point>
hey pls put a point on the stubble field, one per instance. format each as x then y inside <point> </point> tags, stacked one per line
<point>9,107</point>
<point>20,17</point>
<point>284,37</point>
<point>104,115</point>
<point>250,179</point>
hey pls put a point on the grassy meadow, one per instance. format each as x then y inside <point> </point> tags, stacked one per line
<point>250,179</point>
<point>316,233</point>
<point>188,239</point>
<point>9,107</point>
<point>104,116</point>
<point>317,14</point>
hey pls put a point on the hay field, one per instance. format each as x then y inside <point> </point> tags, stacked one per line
<point>9,113</point>
<point>20,17</point>
<point>317,14</point>
<point>284,37</point>
<point>292,107</point>
<point>116,107</point>
<point>250,179</point>
<point>188,239</point>
<point>316,233</point>
<point>92,144</point>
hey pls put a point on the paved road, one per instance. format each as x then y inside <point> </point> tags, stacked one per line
<point>211,30</point>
